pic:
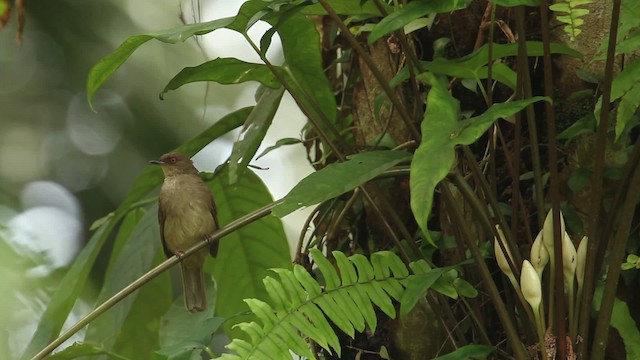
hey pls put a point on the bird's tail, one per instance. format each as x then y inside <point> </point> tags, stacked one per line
<point>195,292</point>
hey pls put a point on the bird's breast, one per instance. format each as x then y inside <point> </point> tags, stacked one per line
<point>185,202</point>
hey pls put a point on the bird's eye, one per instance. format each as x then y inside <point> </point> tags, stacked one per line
<point>172,160</point>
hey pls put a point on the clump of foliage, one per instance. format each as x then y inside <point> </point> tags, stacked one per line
<point>420,153</point>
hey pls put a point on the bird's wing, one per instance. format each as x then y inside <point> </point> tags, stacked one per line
<point>213,249</point>
<point>161,218</point>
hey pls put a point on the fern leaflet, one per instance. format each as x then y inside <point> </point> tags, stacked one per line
<point>301,305</point>
<point>572,15</point>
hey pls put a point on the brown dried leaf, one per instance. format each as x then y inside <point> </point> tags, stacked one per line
<point>5,13</point>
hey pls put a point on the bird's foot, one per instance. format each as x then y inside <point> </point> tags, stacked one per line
<point>179,254</point>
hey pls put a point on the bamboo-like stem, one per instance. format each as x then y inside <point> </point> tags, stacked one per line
<point>554,189</point>
<point>151,274</point>
<point>597,186</point>
<point>510,330</point>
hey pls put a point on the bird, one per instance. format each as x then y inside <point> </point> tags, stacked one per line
<point>186,214</point>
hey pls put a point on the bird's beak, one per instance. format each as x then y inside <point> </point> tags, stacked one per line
<point>157,162</point>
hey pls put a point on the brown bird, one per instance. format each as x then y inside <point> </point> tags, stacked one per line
<point>186,213</point>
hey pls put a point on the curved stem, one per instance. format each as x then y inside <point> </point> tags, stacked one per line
<point>151,274</point>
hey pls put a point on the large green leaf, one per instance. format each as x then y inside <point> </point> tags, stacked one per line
<point>301,48</point>
<point>223,71</point>
<point>183,334</point>
<point>139,335</point>
<point>108,65</point>
<point>411,12</point>
<point>67,293</point>
<point>435,155</point>
<point>336,179</point>
<point>135,259</point>
<point>245,256</point>
<point>256,126</point>
<point>622,321</point>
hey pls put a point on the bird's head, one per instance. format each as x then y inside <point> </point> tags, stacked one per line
<point>175,163</point>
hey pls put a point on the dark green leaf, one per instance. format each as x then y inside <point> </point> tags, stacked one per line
<point>578,179</point>
<point>183,334</point>
<point>139,335</point>
<point>256,126</point>
<point>223,71</point>
<point>135,259</point>
<point>302,53</point>
<point>445,131</point>
<point>246,255</point>
<point>468,352</point>
<point>336,179</point>
<point>413,11</point>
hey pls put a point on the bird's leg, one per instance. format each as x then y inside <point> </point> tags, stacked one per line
<point>207,238</point>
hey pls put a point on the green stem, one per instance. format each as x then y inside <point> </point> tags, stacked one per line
<point>153,273</point>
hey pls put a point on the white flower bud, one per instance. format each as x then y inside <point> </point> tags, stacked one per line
<point>568,259</point>
<point>530,285</point>
<point>581,256</point>
<point>539,255</point>
<point>547,233</point>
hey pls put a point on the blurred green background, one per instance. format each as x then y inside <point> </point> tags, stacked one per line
<point>63,166</point>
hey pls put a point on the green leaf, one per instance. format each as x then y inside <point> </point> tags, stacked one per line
<point>621,320</point>
<point>468,352</point>
<point>223,71</point>
<point>138,336</point>
<point>78,350</point>
<point>624,86</point>
<point>417,287</point>
<point>336,179</point>
<point>182,333</point>
<point>108,65</point>
<point>256,126</point>
<point>412,11</point>
<point>67,293</point>
<point>279,143</point>
<point>441,122</point>
<point>302,53</point>
<point>244,256</point>
<point>135,259</point>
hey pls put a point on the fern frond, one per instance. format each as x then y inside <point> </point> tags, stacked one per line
<point>300,305</point>
<point>571,15</point>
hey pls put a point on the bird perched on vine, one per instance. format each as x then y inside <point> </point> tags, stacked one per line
<point>186,213</point>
